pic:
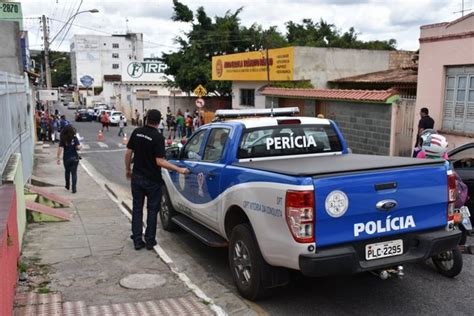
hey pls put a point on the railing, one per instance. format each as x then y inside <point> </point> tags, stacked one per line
<point>16,122</point>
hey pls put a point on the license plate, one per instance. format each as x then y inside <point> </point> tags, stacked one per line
<point>384,249</point>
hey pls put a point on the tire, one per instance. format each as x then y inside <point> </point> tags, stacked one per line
<point>167,211</point>
<point>246,263</point>
<point>449,263</point>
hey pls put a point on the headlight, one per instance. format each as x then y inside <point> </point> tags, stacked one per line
<point>336,203</point>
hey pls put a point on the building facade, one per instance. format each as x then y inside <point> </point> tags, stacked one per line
<point>99,55</point>
<point>318,66</point>
<point>446,78</point>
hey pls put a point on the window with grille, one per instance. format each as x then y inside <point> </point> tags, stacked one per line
<point>247,97</point>
<point>458,114</point>
<point>115,45</point>
<point>115,66</point>
<point>115,55</point>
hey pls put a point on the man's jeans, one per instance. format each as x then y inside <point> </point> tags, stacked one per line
<point>142,187</point>
<point>70,167</point>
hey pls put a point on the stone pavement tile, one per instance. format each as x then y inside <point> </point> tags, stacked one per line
<point>23,299</point>
<point>78,308</point>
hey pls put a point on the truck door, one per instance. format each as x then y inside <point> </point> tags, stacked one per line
<point>209,174</point>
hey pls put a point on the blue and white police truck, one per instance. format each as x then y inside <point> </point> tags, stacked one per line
<point>283,193</point>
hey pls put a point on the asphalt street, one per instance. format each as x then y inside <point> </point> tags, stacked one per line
<point>422,291</point>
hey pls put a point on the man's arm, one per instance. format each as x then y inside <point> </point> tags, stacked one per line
<point>58,155</point>
<point>128,162</point>
<point>167,165</point>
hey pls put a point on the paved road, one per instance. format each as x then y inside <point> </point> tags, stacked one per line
<point>423,291</point>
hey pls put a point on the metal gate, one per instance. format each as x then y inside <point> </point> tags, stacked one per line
<point>405,116</point>
<point>16,122</point>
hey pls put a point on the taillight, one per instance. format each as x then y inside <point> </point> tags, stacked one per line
<point>451,196</point>
<point>299,208</point>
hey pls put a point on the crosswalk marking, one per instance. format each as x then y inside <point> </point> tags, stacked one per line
<point>103,145</point>
<point>86,146</point>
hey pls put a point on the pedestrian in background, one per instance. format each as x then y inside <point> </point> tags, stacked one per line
<point>425,122</point>
<point>121,126</point>
<point>173,128</point>
<point>145,111</point>
<point>63,123</point>
<point>54,129</point>
<point>68,146</point>
<point>195,123</point>
<point>169,117</point>
<point>161,126</point>
<point>137,118</point>
<point>147,146</point>
<point>180,125</point>
<point>189,126</point>
<point>105,121</point>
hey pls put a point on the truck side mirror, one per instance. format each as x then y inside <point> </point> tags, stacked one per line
<point>172,153</point>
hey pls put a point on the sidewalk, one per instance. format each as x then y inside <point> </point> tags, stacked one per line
<point>80,264</point>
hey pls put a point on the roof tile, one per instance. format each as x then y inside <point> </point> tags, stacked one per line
<point>332,94</point>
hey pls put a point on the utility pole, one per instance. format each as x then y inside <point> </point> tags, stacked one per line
<point>46,53</point>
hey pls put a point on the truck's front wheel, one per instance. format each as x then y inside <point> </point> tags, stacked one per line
<point>166,211</point>
<point>246,263</point>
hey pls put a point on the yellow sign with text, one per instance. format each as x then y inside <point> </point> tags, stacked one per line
<point>253,66</point>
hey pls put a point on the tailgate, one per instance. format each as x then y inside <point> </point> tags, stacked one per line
<point>408,200</point>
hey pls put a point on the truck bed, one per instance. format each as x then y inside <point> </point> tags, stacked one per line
<point>337,164</point>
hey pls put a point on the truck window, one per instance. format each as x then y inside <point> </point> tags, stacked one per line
<point>288,140</point>
<point>215,144</point>
<point>192,148</point>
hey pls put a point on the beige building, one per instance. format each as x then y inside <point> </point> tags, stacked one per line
<point>446,78</point>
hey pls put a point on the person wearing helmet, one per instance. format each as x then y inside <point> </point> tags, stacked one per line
<point>433,145</point>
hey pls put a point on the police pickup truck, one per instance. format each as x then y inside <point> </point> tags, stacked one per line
<point>284,193</point>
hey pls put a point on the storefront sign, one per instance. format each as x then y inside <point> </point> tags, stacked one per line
<point>144,71</point>
<point>254,66</point>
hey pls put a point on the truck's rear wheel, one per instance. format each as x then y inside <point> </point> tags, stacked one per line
<point>167,211</point>
<point>246,263</point>
<point>449,263</point>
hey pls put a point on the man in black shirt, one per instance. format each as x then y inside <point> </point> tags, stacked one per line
<point>147,146</point>
<point>426,122</point>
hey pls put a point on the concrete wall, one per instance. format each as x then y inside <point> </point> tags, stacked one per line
<point>435,55</point>
<point>320,65</point>
<point>365,126</point>
<point>9,248</point>
<point>259,99</point>
<point>14,176</point>
<point>10,54</point>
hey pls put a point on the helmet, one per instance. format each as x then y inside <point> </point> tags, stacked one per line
<point>434,145</point>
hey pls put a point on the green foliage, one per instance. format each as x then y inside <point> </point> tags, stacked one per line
<point>191,64</point>
<point>181,12</point>
<point>60,67</point>
<point>303,84</point>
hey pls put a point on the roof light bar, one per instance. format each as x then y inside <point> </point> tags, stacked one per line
<point>223,114</point>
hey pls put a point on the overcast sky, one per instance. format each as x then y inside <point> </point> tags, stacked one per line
<point>373,19</point>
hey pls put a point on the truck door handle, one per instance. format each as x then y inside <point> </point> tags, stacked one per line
<point>211,175</point>
<point>385,186</point>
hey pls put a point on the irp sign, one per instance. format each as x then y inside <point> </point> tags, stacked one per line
<point>145,71</point>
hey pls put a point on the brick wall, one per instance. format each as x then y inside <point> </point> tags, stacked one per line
<point>365,126</point>
<point>9,248</point>
<point>401,59</point>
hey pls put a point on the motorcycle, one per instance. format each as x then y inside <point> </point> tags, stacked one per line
<point>449,263</point>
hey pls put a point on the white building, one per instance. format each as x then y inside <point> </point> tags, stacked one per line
<point>100,55</point>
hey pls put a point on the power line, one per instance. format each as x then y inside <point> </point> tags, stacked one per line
<point>70,25</point>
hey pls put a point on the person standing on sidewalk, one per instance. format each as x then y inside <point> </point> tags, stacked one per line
<point>69,145</point>
<point>147,146</point>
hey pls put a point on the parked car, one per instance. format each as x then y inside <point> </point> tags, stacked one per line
<point>114,118</point>
<point>71,106</point>
<point>284,193</point>
<point>83,116</point>
<point>97,111</point>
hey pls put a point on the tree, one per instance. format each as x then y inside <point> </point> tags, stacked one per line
<point>60,67</point>
<point>191,64</point>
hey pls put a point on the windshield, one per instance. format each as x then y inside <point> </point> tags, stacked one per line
<point>285,140</point>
